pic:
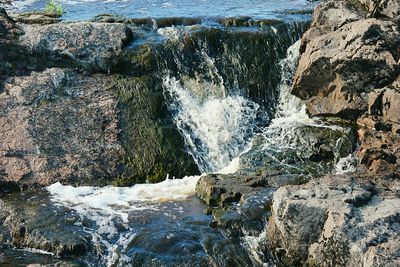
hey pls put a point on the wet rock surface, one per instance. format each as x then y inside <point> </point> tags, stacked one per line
<point>64,118</point>
<point>30,220</point>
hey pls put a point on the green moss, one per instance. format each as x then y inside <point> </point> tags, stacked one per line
<point>153,146</point>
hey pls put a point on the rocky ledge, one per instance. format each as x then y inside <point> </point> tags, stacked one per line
<point>313,215</point>
<point>69,114</point>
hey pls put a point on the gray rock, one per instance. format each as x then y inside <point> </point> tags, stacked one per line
<point>354,58</point>
<point>31,221</point>
<point>337,221</point>
<point>223,189</point>
<point>88,45</point>
<point>346,54</point>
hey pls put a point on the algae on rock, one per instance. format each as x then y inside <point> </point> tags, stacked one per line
<point>154,147</point>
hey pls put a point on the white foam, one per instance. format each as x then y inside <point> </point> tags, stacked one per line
<point>346,165</point>
<point>106,199</point>
<point>216,129</point>
<point>255,245</point>
<point>171,33</point>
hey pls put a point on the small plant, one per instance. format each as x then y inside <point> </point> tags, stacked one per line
<point>53,9</point>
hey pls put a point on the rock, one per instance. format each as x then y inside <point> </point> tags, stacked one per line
<point>33,222</point>
<point>247,218</point>
<point>391,106</point>
<point>8,186</point>
<point>36,18</point>
<point>8,26</point>
<point>379,147</point>
<point>354,58</point>
<point>388,9</point>
<point>348,106</point>
<point>87,45</point>
<point>220,189</point>
<point>386,103</point>
<point>154,147</point>
<point>297,151</point>
<point>329,16</point>
<point>336,221</point>
<point>345,56</point>
<point>59,126</point>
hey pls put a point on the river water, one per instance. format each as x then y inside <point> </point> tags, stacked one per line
<point>86,9</point>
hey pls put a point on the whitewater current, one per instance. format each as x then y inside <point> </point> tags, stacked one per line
<point>217,129</point>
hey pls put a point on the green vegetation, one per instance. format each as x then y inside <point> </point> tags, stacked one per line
<point>53,9</point>
<point>154,148</point>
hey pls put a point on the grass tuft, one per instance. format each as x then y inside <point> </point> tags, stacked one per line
<point>53,8</point>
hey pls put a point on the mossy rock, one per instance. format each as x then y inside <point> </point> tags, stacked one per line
<point>307,150</point>
<point>154,147</point>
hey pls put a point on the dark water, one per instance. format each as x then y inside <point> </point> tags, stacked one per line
<point>85,9</point>
<point>173,233</point>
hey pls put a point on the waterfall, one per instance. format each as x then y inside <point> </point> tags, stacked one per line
<point>216,129</point>
<point>218,112</point>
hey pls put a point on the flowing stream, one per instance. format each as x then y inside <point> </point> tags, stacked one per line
<point>163,224</point>
<point>224,88</point>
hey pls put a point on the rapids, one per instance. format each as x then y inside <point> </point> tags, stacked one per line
<point>147,223</point>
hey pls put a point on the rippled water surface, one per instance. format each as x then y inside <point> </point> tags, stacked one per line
<point>84,9</point>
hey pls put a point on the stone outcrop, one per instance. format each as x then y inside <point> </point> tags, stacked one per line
<point>31,220</point>
<point>88,45</point>
<point>347,53</point>
<point>66,118</point>
<point>349,69</point>
<point>337,221</point>
<point>57,125</point>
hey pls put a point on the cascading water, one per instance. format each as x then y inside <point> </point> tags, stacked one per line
<point>218,121</point>
<point>216,130</point>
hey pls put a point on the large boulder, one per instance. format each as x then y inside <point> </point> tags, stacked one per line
<point>346,54</point>
<point>337,221</point>
<point>91,46</point>
<point>153,145</point>
<point>57,125</point>
<point>60,126</point>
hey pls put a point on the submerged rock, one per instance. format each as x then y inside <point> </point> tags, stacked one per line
<point>337,221</point>
<point>30,220</point>
<point>298,150</point>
